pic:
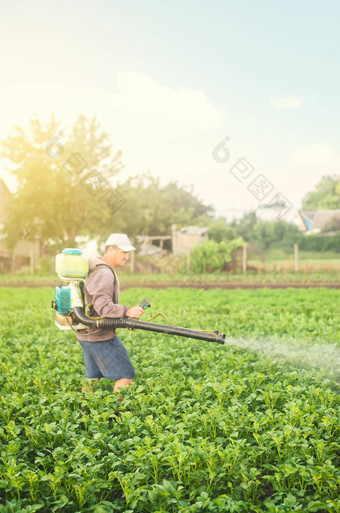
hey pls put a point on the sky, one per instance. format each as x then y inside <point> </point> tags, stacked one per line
<point>235,99</point>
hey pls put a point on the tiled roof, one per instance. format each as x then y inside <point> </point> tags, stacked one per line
<point>194,230</point>
<point>321,219</point>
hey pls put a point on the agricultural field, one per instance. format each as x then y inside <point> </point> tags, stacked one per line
<point>127,278</point>
<point>251,426</point>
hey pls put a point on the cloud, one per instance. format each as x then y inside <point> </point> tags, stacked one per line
<point>169,131</point>
<point>285,103</point>
<point>139,103</point>
<point>142,104</point>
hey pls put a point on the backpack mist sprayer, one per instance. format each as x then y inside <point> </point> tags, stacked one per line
<point>72,268</point>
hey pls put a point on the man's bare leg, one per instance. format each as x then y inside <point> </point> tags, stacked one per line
<point>120,383</point>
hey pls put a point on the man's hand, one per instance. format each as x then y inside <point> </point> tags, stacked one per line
<point>134,311</point>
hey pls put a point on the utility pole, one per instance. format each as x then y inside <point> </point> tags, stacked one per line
<point>296,257</point>
<point>244,267</point>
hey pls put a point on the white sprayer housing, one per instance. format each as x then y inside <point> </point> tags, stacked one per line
<point>71,263</point>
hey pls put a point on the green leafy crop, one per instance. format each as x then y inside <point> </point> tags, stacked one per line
<point>252,426</point>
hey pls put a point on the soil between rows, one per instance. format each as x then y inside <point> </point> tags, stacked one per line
<point>195,285</point>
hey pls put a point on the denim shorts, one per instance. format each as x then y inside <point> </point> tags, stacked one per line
<point>107,359</point>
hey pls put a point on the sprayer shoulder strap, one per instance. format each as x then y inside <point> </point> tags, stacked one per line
<point>114,297</point>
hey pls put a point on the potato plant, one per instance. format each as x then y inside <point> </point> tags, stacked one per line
<point>252,426</point>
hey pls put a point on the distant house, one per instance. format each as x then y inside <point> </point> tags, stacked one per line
<point>26,253</point>
<point>180,241</point>
<point>146,246</point>
<point>185,239</point>
<point>327,221</point>
<point>307,221</point>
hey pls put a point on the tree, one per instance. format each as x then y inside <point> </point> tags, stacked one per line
<point>151,209</point>
<point>220,230</point>
<point>65,189</point>
<point>245,226</point>
<point>58,178</point>
<point>325,196</point>
<point>279,233</point>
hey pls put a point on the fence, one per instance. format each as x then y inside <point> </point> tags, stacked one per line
<point>248,259</point>
<point>253,259</point>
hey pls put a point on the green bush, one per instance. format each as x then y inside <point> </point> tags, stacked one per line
<point>211,256</point>
<point>320,243</point>
<point>46,264</point>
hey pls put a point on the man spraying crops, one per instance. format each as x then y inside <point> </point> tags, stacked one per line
<point>104,353</point>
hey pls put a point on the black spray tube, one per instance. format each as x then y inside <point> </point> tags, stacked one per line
<point>131,323</point>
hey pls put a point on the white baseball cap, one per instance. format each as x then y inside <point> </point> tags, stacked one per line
<point>121,241</point>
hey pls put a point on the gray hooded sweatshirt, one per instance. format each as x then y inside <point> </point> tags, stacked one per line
<point>102,291</point>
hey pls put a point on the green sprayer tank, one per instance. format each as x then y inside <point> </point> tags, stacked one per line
<point>71,263</point>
